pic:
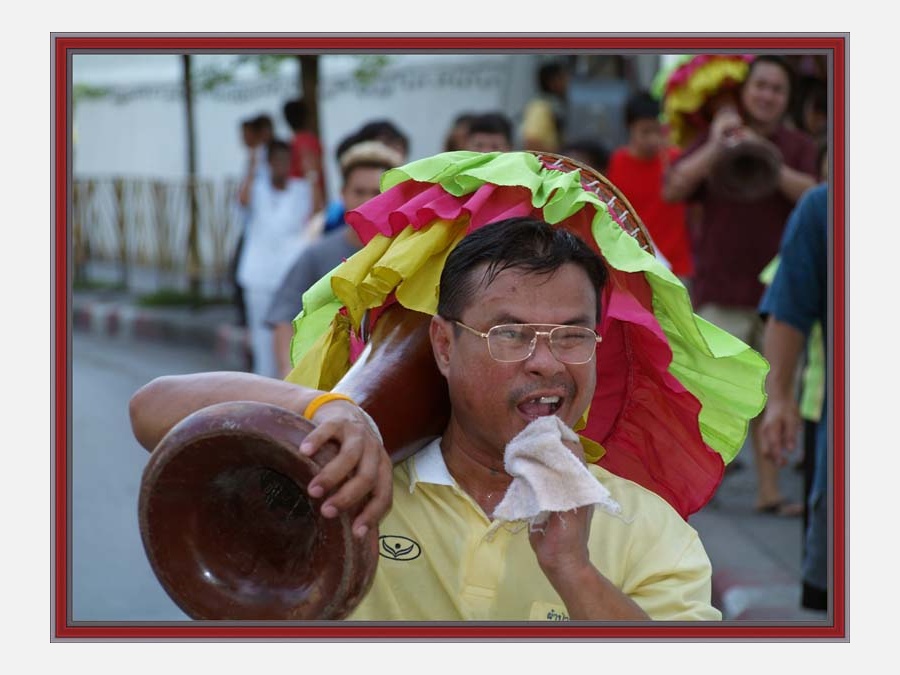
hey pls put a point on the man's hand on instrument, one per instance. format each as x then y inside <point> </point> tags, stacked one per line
<point>362,466</point>
<point>724,125</point>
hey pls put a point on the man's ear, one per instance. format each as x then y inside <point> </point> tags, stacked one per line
<point>441,333</point>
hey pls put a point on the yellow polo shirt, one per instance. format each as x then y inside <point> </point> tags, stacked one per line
<point>442,559</point>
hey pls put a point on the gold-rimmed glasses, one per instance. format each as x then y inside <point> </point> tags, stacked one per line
<point>512,342</point>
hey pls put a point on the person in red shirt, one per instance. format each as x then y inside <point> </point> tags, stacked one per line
<point>637,170</point>
<point>306,151</point>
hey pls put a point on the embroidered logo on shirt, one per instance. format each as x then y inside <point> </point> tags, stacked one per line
<point>395,547</point>
<point>548,611</point>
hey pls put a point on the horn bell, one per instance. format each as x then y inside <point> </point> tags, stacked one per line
<point>746,171</point>
<point>230,530</point>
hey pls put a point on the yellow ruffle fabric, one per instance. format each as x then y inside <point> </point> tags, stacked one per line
<point>700,86</point>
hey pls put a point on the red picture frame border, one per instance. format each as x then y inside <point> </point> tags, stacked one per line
<point>64,46</point>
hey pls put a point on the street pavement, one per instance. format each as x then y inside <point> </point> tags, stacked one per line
<point>111,578</point>
<point>756,558</point>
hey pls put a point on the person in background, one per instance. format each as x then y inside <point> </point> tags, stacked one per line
<point>256,134</point>
<point>361,167</point>
<point>588,151</point>
<point>279,209</point>
<point>384,132</point>
<point>459,130</point>
<point>735,240</point>
<point>265,134</point>
<point>812,378</point>
<point>637,169</point>
<point>794,304</point>
<point>489,132</point>
<point>306,150</point>
<point>811,110</point>
<point>249,139</point>
<point>544,117</point>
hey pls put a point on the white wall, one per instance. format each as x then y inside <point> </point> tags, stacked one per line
<point>140,133</point>
<point>140,129</point>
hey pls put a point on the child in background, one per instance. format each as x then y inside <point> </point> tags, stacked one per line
<point>637,170</point>
<point>306,150</point>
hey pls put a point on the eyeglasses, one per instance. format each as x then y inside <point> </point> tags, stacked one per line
<point>511,342</point>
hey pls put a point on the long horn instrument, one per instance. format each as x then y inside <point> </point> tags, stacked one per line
<point>226,521</point>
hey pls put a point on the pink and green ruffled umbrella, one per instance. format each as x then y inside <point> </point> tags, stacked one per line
<point>674,393</point>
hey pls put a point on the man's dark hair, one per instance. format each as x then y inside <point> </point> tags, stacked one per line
<point>779,61</point>
<point>379,130</point>
<point>464,118</point>
<point>492,123</point>
<point>641,106</point>
<point>547,73</point>
<point>277,145</point>
<point>263,123</point>
<point>524,244</point>
<point>384,131</point>
<point>296,113</point>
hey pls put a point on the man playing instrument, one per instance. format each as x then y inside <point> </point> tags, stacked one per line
<point>514,338</point>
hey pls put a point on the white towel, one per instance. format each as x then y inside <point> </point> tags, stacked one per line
<point>547,477</point>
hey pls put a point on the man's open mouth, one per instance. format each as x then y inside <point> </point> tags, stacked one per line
<point>540,406</point>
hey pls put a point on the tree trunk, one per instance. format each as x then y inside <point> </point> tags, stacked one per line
<point>309,85</point>
<point>193,261</point>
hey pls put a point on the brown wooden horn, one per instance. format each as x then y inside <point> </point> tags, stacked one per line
<point>228,526</point>
<point>225,518</point>
<point>746,171</point>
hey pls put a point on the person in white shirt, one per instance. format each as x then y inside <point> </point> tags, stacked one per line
<point>279,208</point>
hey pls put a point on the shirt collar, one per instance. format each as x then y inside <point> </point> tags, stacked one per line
<point>428,466</point>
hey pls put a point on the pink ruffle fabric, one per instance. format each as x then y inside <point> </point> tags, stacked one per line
<point>418,204</point>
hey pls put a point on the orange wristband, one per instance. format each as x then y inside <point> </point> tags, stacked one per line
<point>321,400</point>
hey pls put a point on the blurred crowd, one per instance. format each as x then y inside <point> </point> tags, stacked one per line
<point>714,171</point>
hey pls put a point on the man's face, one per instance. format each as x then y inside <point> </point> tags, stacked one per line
<point>361,185</point>
<point>493,401</point>
<point>484,142</point>
<point>249,136</point>
<point>266,134</point>
<point>560,84</point>
<point>280,164</point>
<point>646,137</point>
<point>765,94</point>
